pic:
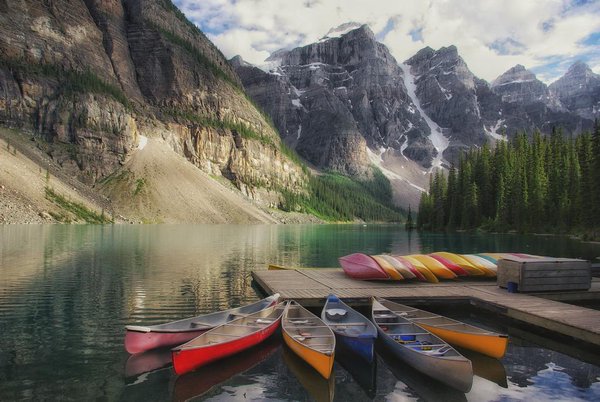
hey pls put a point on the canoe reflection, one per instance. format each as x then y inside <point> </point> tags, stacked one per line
<point>364,373</point>
<point>148,361</point>
<point>487,367</point>
<point>319,388</point>
<point>424,386</point>
<point>198,382</point>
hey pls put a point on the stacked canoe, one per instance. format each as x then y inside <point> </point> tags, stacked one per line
<point>422,267</point>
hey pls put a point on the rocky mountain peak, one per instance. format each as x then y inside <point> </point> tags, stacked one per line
<point>344,29</point>
<point>579,68</point>
<point>579,90</point>
<point>238,61</point>
<point>519,85</point>
<point>514,75</point>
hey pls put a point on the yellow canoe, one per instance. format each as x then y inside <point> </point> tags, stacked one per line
<point>434,266</point>
<point>486,266</point>
<point>309,337</point>
<point>461,262</point>
<point>399,266</point>
<point>274,267</point>
<point>452,331</point>
<point>318,387</point>
<point>419,266</point>
<point>388,268</point>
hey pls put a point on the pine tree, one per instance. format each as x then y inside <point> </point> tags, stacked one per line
<point>409,220</point>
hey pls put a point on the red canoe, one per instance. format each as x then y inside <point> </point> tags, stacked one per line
<point>361,266</point>
<point>450,265</point>
<point>227,339</point>
<point>140,339</point>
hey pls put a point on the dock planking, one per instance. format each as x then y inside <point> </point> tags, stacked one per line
<point>310,287</point>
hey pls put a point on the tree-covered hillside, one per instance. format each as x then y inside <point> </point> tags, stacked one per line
<point>549,184</point>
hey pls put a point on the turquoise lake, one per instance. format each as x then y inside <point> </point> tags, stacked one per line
<point>67,291</point>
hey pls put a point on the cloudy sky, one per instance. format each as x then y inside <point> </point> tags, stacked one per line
<point>545,36</point>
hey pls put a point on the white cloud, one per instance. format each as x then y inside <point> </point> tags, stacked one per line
<point>491,35</point>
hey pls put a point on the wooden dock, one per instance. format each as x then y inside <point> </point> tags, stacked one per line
<point>309,287</point>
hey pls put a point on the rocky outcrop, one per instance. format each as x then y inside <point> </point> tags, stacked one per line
<point>579,91</point>
<point>91,76</point>
<point>448,93</point>
<point>519,85</point>
<point>529,105</point>
<point>333,98</point>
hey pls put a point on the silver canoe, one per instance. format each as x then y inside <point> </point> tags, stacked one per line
<point>421,349</point>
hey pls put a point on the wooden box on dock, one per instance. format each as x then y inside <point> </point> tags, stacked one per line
<point>544,274</point>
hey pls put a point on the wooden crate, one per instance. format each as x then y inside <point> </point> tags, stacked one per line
<point>544,274</point>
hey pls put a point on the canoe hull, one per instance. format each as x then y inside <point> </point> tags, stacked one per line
<point>457,373</point>
<point>185,360</point>
<point>400,267</point>
<point>423,270</point>
<point>139,339</point>
<point>362,346</point>
<point>461,262</point>
<point>450,265</point>
<point>321,362</point>
<point>354,332</point>
<point>489,345</point>
<point>137,342</point>
<point>361,266</point>
<point>436,267</point>
<point>388,268</point>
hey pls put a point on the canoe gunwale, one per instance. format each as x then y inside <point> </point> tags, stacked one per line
<point>471,337</point>
<point>256,330</point>
<point>178,325</point>
<point>454,370</point>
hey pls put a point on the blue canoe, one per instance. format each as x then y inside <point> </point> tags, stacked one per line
<point>353,330</point>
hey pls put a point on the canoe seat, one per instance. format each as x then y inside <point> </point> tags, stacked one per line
<point>335,314</point>
<point>235,316</point>
<point>264,321</point>
<point>200,324</point>
<point>311,336</point>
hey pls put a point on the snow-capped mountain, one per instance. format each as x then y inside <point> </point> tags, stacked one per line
<point>345,103</point>
<point>579,91</point>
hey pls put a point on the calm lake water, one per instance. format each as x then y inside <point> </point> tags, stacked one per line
<point>66,293</point>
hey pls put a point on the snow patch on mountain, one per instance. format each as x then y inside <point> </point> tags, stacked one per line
<point>493,131</point>
<point>143,142</point>
<point>340,30</point>
<point>437,138</point>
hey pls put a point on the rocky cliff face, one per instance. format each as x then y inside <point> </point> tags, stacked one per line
<point>332,99</point>
<point>528,104</point>
<point>91,76</point>
<point>579,91</point>
<point>518,85</point>
<point>448,93</point>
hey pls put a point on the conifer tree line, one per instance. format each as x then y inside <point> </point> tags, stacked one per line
<point>546,183</point>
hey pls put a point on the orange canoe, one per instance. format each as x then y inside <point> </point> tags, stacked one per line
<point>309,337</point>
<point>388,268</point>
<point>400,267</point>
<point>429,276</point>
<point>434,266</point>
<point>454,332</point>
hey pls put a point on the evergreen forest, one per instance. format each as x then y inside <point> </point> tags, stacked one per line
<point>547,184</point>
